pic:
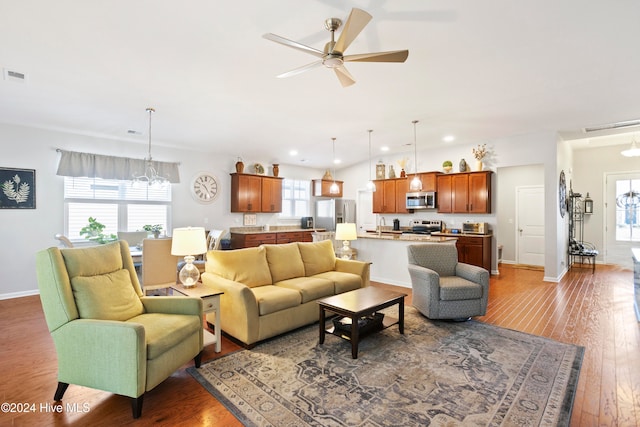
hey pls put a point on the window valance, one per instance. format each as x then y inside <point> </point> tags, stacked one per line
<point>90,165</point>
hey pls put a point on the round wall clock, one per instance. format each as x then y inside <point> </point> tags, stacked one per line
<point>204,187</point>
<point>562,194</point>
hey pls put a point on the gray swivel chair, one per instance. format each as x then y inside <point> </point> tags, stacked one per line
<point>444,288</point>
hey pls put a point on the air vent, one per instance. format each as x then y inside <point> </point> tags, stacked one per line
<point>616,125</point>
<point>14,76</point>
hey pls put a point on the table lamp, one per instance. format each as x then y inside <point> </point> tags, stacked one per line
<point>346,231</point>
<point>187,242</point>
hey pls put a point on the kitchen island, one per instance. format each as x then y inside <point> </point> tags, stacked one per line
<point>387,252</point>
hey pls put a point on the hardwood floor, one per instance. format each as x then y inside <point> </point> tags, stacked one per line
<point>591,310</point>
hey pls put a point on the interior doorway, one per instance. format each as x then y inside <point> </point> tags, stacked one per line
<point>530,225</point>
<point>622,222</point>
<point>365,218</point>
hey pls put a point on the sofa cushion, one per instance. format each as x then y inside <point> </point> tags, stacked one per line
<point>310,288</point>
<point>163,331</point>
<point>93,260</point>
<point>343,282</point>
<point>284,261</point>
<point>248,266</point>
<point>456,288</point>
<point>108,296</point>
<point>318,257</point>
<point>275,298</point>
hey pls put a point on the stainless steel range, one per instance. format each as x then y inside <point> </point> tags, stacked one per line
<point>424,226</point>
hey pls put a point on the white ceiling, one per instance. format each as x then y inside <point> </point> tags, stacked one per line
<point>478,70</point>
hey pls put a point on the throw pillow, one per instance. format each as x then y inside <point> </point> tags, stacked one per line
<point>284,261</point>
<point>93,260</point>
<point>108,296</point>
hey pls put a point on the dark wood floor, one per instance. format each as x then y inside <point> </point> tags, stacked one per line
<point>592,310</point>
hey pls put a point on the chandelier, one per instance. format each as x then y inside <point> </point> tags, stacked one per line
<point>630,199</point>
<point>151,176</point>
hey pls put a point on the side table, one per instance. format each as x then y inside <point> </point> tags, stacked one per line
<point>210,303</point>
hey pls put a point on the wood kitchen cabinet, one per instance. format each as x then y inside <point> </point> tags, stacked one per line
<point>250,240</point>
<point>255,193</point>
<point>321,187</point>
<point>384,198</point>
<point>475,250</point>
<point>466,192</point>
<point>271,194</point>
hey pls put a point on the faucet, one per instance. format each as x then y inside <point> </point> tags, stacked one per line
<point>381,221</point>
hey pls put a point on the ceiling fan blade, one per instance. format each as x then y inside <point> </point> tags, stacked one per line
<point>295,45</point>
<point>346,79</point>
<point>357,20</point>
<point>390,56</point>
<point>302,69</point>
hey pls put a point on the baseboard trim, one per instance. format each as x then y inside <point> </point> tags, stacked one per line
<point>12,295</point>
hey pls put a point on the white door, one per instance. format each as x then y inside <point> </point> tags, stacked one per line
<point>622,222</point>
<point>365,218</point>
<point>530,225</point>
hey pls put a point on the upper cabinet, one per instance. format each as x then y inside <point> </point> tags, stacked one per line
<point>391,194</point>
<point>466,192</point>
<point>321,187</point>
<point>255,193</point>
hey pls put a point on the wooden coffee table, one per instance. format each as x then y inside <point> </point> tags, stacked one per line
<point>356,304</point>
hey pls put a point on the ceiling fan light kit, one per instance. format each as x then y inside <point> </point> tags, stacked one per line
<point>332,56</point>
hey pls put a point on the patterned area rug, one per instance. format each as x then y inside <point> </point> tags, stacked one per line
<point>438,374</point>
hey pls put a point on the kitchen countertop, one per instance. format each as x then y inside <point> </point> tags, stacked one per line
<point>272,229</point>
<point>461,234</point>
<point>397,235</point>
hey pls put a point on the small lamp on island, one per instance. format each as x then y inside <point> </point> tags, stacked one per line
<point>346,232</point>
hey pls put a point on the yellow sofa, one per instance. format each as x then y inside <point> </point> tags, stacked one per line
<point>272,289</point>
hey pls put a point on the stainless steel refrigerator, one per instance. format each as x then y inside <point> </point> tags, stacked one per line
<point>330,212</point>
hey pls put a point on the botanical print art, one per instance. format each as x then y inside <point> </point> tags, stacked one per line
<point>18,188</point>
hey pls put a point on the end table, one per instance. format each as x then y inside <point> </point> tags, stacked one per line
<point>210,303</point>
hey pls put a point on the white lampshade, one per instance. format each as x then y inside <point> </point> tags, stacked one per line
<point>188,241</point>
<point>634,151</point>
<point>346,231</point>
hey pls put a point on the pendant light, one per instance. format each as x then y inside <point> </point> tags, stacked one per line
<point>334,189</point>
<point>370,185</point>
<point>151,176</point>
<point>634,151</point>
<point>416,184</point>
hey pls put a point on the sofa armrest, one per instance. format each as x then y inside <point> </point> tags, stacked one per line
<point>103,354</point>
<point>238,305</point>
<point>361,268</point>
<point>474,274</point>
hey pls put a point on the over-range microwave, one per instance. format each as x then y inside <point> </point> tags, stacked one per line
<point>421,200</point>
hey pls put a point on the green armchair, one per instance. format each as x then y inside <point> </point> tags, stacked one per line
<point>108,335</point>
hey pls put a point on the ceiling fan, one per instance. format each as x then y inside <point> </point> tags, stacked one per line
<point>333,54</point>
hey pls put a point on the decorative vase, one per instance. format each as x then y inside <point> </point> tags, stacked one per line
<point>479,165</point>
<point>403,174</point>
<point>447,169</point>
<point>239,166</point>
<point>276,169</point>
<point>392,172</point>
<point>380,170</point>
<point>156,234</point>
<point>327,176</point>
<point>463,165</point>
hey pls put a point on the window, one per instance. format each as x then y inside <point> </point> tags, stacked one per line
<point>296,198</point>
<point>628,210</point>
<point>118,204</point>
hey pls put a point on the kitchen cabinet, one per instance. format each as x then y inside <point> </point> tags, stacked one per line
<point>321,187</point>
<point>249,240</point>
<point>475,250</point>
<point>402,187</point>
<point>384,198</point>
<point>255,193</point>
<point>428,180</point>
<point>466,192</point>
<point>271,194</point>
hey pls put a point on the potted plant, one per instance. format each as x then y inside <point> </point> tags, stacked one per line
<point>94,232</point>
<point>153,229</point>
<point>447,165</point>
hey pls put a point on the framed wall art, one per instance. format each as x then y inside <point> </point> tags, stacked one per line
<point>18,188</point>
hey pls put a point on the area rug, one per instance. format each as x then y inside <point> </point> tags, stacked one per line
<point>436,374</point>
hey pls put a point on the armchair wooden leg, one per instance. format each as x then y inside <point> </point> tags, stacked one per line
<point>136,406</point>
<point>198,359</point>
<point>62,387</point>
